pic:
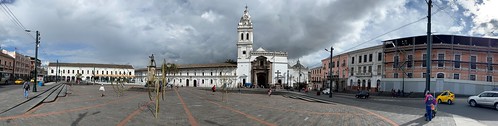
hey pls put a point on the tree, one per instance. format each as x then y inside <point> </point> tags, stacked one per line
<point>230,61</point>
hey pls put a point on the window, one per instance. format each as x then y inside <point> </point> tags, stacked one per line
<point>352,71</point>
<point>352,60</point>
<point>409,75</point>
<point>424,75</point>
<point>51,71</point>
<point>489,78</point>
<point>73,71</point>
<point>472,77</point>
<point>396,61</point>
<point>359,60</point>
<point>473,62</point>
<point>379,69</point>
<point>359,69</point>
<point>395,75</point>
<point>457,61</point>
<point>424,60</point>
<point>490,63</point>
<point>247,36</point>
<point>242,36</point>
<point>211,73</point>
<point>243,52</point>
<point>106,72</point>
<point>203,74</point>
<point>440,58</point>
<point>409,62</point>
<point>369,69</point>
<point>379,57</point>
<point>456,76</point>
<point>365,69</point>
<point>337,63</point>
<point>370,57</point>
<point>440,75</point>
<point>364,58</point>
<point>333,64</point>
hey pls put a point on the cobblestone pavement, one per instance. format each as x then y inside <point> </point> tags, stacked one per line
<point>192,106</point>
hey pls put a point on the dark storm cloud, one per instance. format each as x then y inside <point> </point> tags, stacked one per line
<point>188,31</point>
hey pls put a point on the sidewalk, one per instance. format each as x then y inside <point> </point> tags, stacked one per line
<point>15,95</point>
<point>459,120</point>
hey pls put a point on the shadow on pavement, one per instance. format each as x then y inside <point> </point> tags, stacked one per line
<point>418,122</point>
<point>80,117</point>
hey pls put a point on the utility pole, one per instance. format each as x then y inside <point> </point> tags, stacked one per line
<point>36,60</point>
<point>429,48</point>
<point>287,80</point>
<point>330,71</point>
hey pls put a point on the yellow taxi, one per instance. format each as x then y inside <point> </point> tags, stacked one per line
<point>446,97</point>
<point>19,81</point>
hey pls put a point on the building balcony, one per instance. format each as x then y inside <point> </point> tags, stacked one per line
<point>363,74</point>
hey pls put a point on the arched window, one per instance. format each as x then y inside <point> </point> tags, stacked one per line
<point>242,36</point>
<point>440,75</point>
<point>247,36</point>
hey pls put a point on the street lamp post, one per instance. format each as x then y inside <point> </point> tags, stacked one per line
<point>37,44</point>
<point>330,71</point>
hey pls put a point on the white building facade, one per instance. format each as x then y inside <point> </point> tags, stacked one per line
<point>195,75</point>
<point>258,68</point>
<point>89,72</point>
<point>366,68</point>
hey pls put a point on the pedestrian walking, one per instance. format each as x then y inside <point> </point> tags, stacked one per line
<point>102,89</point>
<point>269,92</point>
<point>429,104</point>
<point>25,87</point>
<point>213,88</point>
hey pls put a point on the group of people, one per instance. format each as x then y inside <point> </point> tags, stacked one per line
<point>398,93</point>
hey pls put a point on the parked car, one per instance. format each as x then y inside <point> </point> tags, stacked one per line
<point>486,98</point>
<point>326,91</point>
<point>19,81</point>
<point>362,94</point>
<point>446,97</point>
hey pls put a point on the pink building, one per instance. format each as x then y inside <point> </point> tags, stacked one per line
<point>339,72</point>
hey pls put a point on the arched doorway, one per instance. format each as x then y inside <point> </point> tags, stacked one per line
<point>369,84</point>
<point>363,83</point>
<point>188,83</point>
<point>359,84</point>
<point>262,80</point>
<point>378,85</point>
<point>195,83</point>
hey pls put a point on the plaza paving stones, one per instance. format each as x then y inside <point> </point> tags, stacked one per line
<point>195,106</point>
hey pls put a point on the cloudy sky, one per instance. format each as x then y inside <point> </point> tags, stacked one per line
<point>204,31</point>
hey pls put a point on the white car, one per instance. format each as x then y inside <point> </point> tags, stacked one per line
<point>486,98</point>
<point>326,91</point>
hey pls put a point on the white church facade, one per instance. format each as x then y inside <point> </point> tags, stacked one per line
<point>253,68</point>
<point>259,68</point>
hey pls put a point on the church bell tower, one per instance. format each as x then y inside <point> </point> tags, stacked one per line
<point>245,36</point>
<point>244,48</point>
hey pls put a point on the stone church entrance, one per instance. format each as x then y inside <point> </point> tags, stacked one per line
<point>260,71</point>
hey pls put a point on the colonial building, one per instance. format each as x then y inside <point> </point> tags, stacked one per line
<point>366,68</point>
<point>21,65</point>
<point>6,68</point>
<point>89,71</point>
<point>462,64</point>
<point>298,76</point>
<point>339,72</point>
<point>260,68</point>
<point>316,78</point>
<point>195,75</point>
